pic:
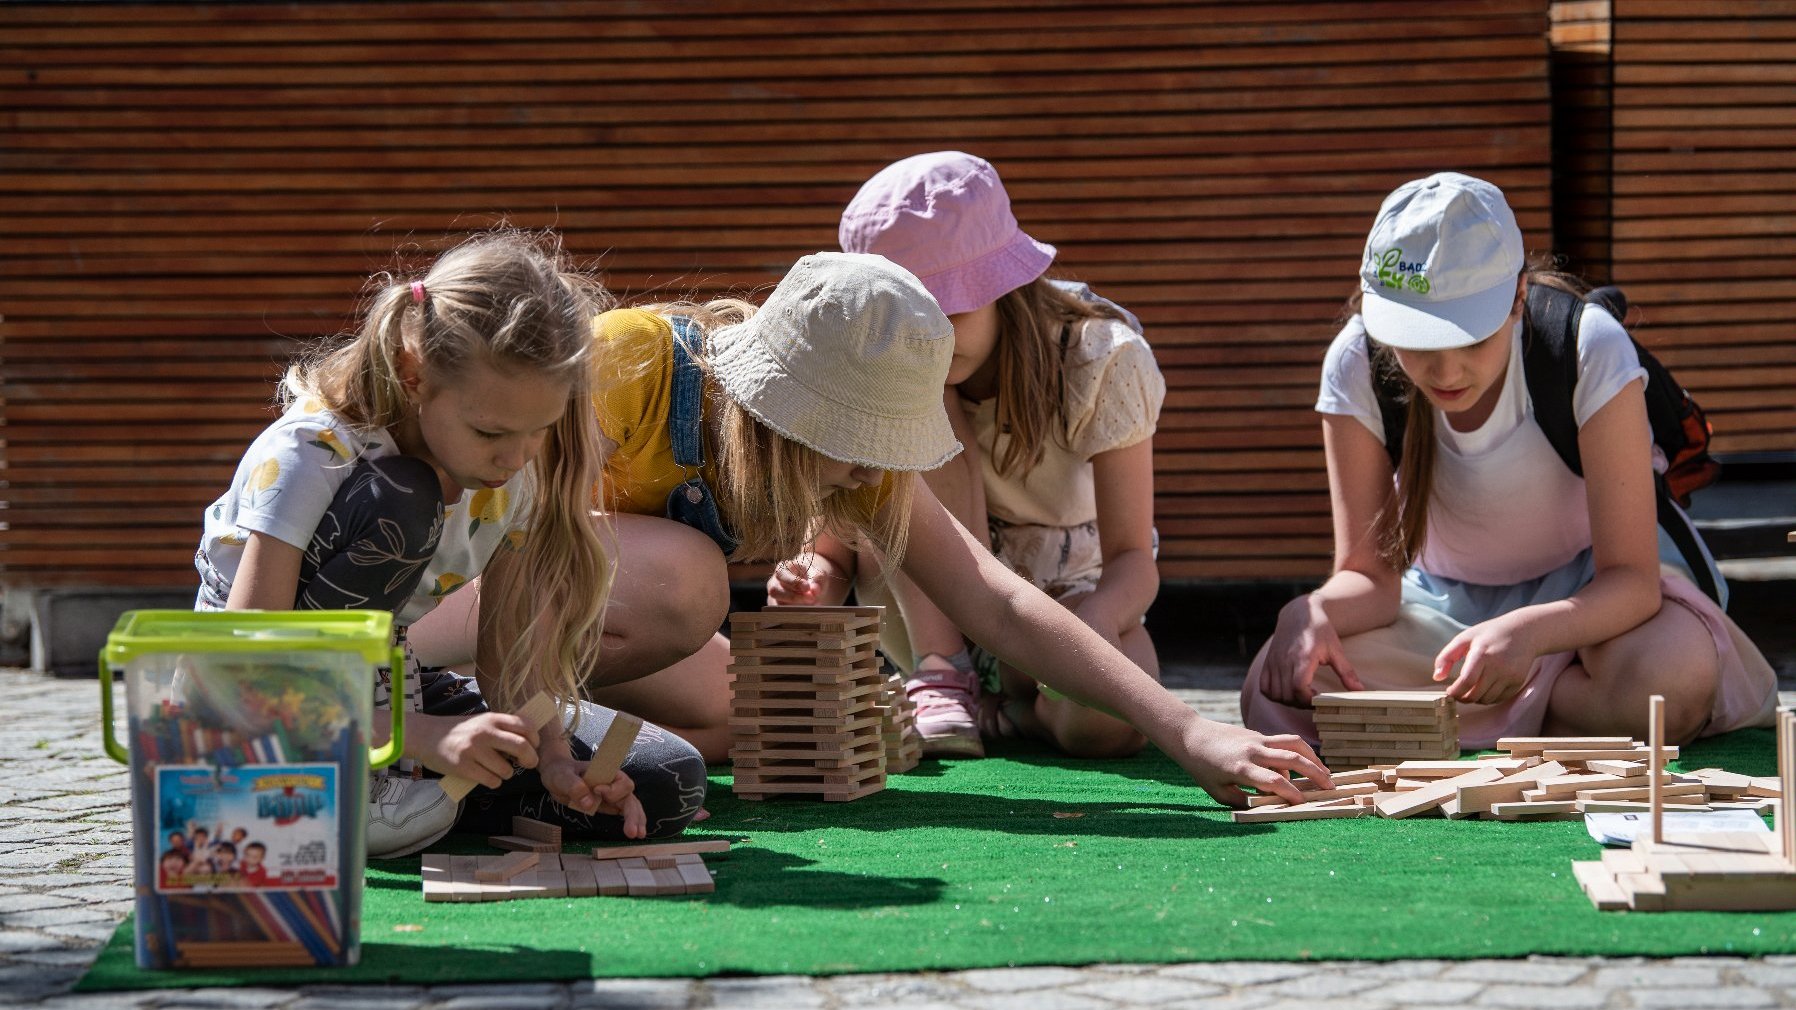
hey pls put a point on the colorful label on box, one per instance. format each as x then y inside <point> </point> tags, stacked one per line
<point>246,828</point>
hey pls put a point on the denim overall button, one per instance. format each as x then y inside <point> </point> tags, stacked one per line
<point>694,495</point>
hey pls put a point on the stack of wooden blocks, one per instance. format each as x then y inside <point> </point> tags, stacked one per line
<point>898,726</point>
<point>544,871</point>
<point>1713,870</point>
<point>805,717</point>
<point>1536,778</point>
<point>1360,728</point>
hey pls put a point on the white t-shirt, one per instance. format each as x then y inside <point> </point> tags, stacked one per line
<point>287,479</point>
<point>1505,508</point>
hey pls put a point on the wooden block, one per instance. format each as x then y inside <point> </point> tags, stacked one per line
<point>1453,769</point>
<point>668,879</point>
<point>1535,811</point>
<point>1343,778</point>
<point>515,843</point>
<point>1619,753</point>
<point>1520,745</point>
<point>1642,792</point>
<point>1637,806</point>
<point>1766,785</point>
<point>439,884</point>
<point>1381,699</point>
<point>535,830</point>
<point>639,877</point>
<point>608,875</point>
<point>505,867</point>
<point>614,747</point>
<point>1408,804</point>
<point>553,883</point>
<point>535,713</point>
<point>660,860</point>
<point>1323,810</point>
<point>696,846</point>
<point>1620,769</point>
<point>1645,891</point>
<point>1599,886</point>
<point>1315,795</point>
<point>581,883</point>
<point>696,875</point>
<point>466,887</point>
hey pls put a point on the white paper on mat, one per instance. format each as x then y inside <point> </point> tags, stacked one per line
<point>1620,828</point>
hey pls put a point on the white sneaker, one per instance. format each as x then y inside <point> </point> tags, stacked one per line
<point>406,815</point>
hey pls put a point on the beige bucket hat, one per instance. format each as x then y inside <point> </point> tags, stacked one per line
<point>848,356</point>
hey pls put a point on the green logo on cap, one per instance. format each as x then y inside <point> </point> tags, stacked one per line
<point>1393,272</point>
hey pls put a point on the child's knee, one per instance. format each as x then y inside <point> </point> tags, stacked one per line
<point>669,774</point>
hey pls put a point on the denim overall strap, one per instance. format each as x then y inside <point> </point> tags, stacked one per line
<point>685,418</point>
<point>692,502</point>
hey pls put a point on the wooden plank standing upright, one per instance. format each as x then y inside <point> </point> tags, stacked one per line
<point>805,715</point>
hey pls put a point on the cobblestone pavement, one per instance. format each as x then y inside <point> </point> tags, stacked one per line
<point>65,870</point>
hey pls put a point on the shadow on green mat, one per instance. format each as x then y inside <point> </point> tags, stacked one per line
<point>1028,858</point>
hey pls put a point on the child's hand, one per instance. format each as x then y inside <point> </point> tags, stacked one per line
<point>480,748</point>
<point>562,778</point>
<point>810,581</point>
<point>1223,758</point>
<point>1305,639</point>
<point>1499,654</point>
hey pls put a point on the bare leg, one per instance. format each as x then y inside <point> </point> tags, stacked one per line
<point>1069,726</point>
<point>691,698</point>
<point>1606,693</point>
<point>671,594</point>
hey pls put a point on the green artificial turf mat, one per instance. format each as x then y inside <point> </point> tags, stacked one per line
<point>1029,858</point>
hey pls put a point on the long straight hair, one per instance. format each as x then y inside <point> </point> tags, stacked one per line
<point>511,301</point>
<point>1400,529</point>
<point>1031,402</point>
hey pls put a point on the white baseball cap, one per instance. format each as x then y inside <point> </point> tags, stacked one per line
<point>1441,264</point>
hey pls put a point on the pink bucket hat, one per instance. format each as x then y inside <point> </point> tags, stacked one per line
<point>946,218</point>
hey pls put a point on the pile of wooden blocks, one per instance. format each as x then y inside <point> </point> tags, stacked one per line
<point>898,726</point>
<point>1360,728</point>
<point>1535,778</point>
<point>1716,870</point>
<point>806,715</point>
<point>542,870</point>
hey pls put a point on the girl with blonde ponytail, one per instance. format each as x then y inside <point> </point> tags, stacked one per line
<point>450,438</point>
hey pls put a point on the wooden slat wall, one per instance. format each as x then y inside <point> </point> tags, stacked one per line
<point>1705,203</point>
<point>187,189</point>
<point>1583,125</point>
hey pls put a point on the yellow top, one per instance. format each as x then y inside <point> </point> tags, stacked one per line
<point>633,395</point>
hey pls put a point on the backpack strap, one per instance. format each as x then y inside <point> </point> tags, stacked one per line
<point>1550,365</point>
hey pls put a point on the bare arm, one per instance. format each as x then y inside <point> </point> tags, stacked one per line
<point>1031,632</point>
<point>267,575</point>
<point>1125,505</point>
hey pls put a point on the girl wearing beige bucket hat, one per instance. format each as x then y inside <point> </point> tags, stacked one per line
<point>1056,395</point>
<point>1471,556</point>
<point>750,430</point>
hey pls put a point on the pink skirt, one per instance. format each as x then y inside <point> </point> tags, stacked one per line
<point>1401,655</point>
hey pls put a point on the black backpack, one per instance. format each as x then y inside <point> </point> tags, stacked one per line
<point>1550,366</point>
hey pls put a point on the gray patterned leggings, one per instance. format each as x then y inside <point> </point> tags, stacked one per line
<point>369,552</point>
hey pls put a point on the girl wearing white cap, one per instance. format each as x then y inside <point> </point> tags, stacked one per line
<point>1481,561</point>
<point>1055,394</point>
<point>751,432</point>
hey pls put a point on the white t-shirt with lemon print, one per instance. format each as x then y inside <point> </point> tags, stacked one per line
<point>287,480</point>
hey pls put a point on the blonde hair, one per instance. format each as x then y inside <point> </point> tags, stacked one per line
<point>510,301</point>
<point>1400,529</point>
<point>1031,403</point>
<point>769,493</point>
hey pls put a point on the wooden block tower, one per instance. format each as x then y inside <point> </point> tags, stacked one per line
<point>1361,728</point>
<point>805,708</point>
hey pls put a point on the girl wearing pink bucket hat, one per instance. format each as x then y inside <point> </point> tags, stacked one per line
<point>740,433</point>
<point>1471,555</point>
<point>1056,395</point>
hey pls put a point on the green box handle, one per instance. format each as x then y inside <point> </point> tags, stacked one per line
<point>378,757</point>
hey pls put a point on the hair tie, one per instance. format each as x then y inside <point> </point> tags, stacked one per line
<point>418,292</point>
